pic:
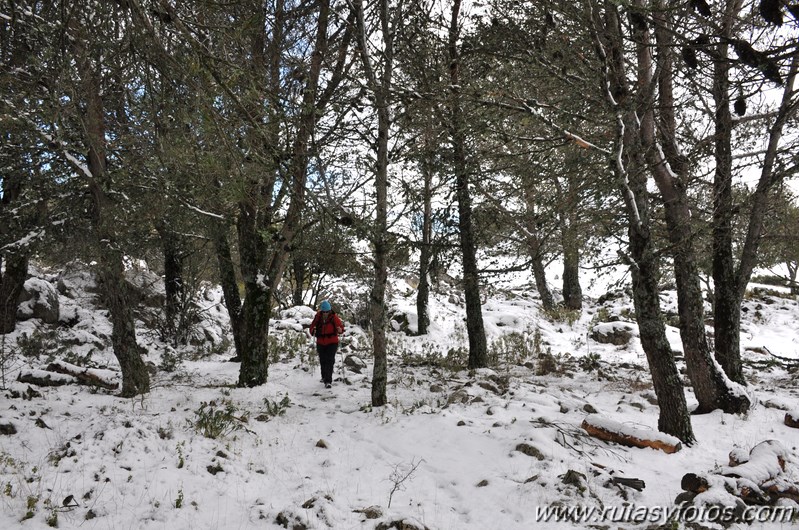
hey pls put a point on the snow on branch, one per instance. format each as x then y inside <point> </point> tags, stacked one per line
<point>50,140</point>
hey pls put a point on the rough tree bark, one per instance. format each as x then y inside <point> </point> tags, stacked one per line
<point>711,387</point>
<point>173,285</point>
<point>630,168</point>
<point>726,309</point>
<point>534,243</point>
<point>230,287</point>
<point>731,281</point>
<point>572,292</point>
<point>478,348</point>
<point>426,249</point>
<point>13,51</point>
<point>12,281</point>
<point>570,242</point>
<point>379,83</point>
<point>135,378</point>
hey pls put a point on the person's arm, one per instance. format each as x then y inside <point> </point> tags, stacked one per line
<point>339,326</point>
<point>312,329</point>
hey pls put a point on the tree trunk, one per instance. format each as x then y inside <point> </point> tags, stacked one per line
<point>570,241</point>
<point>630,168</point>
<point>423,291</point>
<point>299,270</point>
<point>711,387</point>
<point>710,384</point>
<point>12,183</point>
<point>255,311</point>
<point>263,261</point>
<point>426,249</point>
<point>478,349</point>
<point>377,318</point>
<point>612,431</point>
<point>135,378</point>
<point>539,272</point>
<point>380,85</point>
<point>11,284</point>
<point>726,315</point>
<point>230,287</point>
<point>532,239</point>
<point>254,323</point>
<point>674,418</point>
<point>377,306</point>
<point>793,268</point>
<point>174,314</point>
<point>572,292</point>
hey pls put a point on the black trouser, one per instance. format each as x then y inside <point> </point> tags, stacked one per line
<point>327,358</point>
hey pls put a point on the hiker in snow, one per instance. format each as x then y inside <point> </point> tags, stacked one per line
<point>326,327</point>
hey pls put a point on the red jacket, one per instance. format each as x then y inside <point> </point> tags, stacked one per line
<point>326,328</point>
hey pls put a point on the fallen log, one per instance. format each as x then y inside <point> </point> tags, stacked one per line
<point>757,477</point>
<point>766,461</point>
<point>613,431</point>
<point>694,483</point>
<point>86,376</point>
<point>634,483</point>
<point>44,378</point>
<point>783,491</point>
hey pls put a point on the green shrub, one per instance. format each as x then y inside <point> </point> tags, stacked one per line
<point>171,360</point>
<point>43,341</point>
<point>276,408</point>
<point>216,422</point>
<point>560,313</point>
<point>589,362</point>
<point>511,348</point>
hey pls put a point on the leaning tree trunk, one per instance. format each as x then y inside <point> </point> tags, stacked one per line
<point>135,378</point>
<point>674,418</point>
<point>478,348</point>
<point>630,168</point>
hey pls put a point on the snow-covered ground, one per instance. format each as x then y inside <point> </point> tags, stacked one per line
<point>452,450</point>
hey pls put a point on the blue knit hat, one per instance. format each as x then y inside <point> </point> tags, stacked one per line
<point>325,305</point>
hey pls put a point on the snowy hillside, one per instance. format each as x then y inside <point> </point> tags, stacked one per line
<point>453,450</point>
